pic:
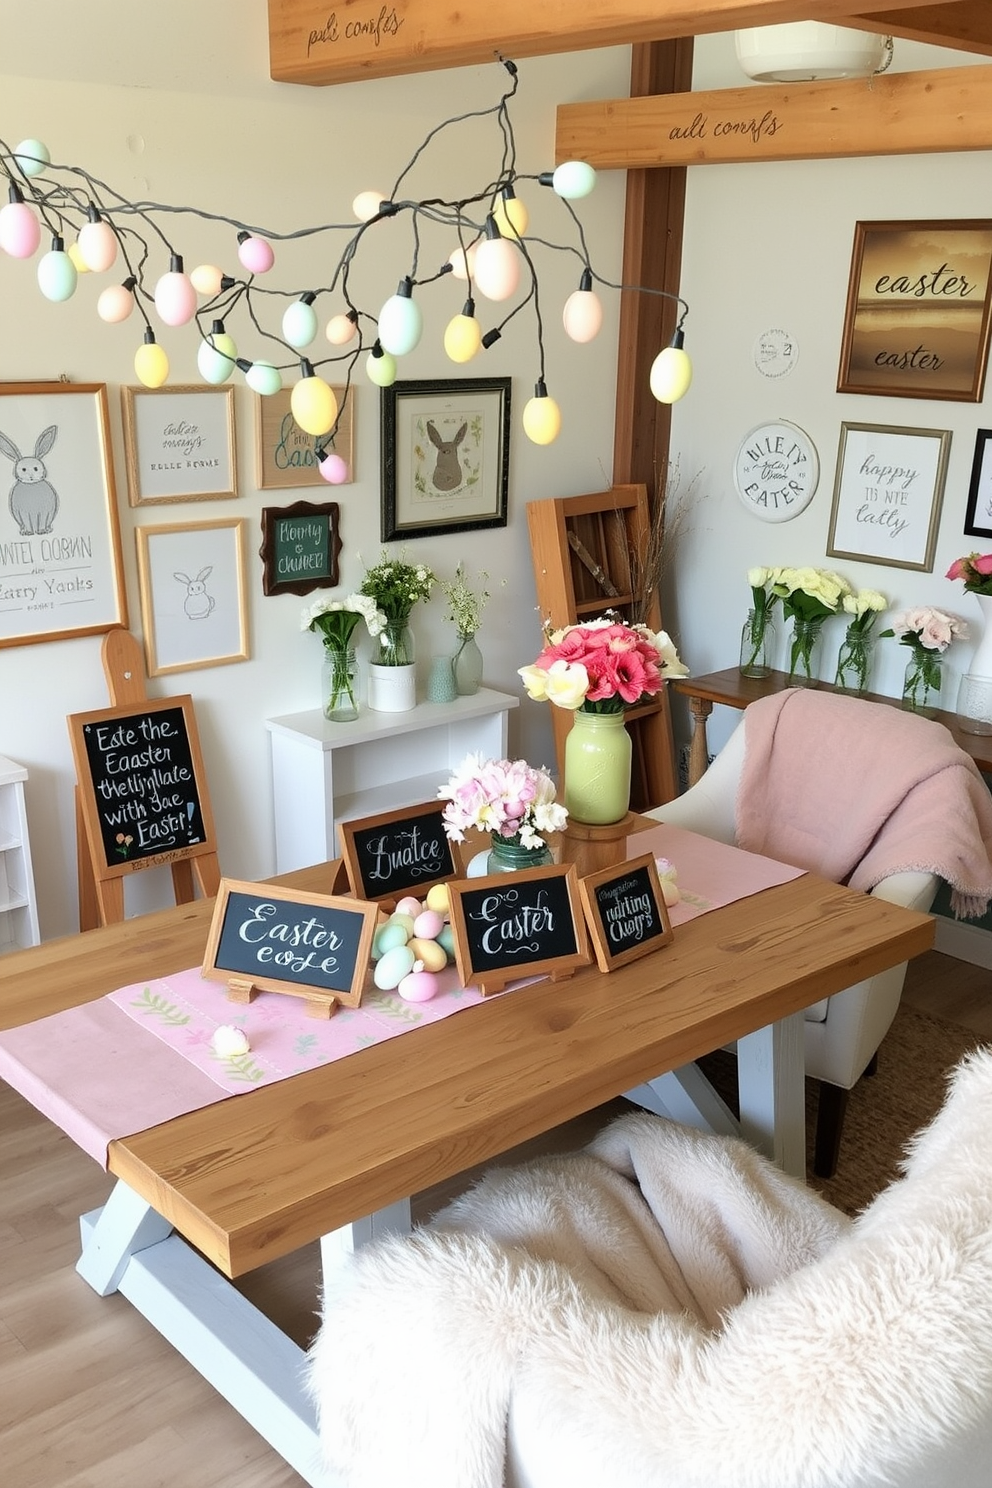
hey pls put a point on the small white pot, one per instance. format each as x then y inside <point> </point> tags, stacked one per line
<point>392,689</point>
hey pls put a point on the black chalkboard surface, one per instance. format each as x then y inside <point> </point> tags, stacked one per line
<point>626,911</point>
<point>266,938</point>
<point>397,852</point>
<point>141,782</point>
<point>511,925</point>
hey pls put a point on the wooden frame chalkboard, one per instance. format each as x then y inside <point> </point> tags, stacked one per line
<point>320,943</point>
<point>626,912</point>
<point>397,852</point>
<point>142,787</point>
<point>300,547</point>
<point>512,925</point>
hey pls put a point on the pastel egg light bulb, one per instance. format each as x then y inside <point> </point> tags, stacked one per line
<point>20,230</point>
<point>332,468</point>
<point>497,264</point>
<point>542,416</point>
<point>582,315</point>
<point>57,277</point>
<point>116,302</point>
<point>380,367</point>
<point>463,334</point>
<point>216,355</point>
<point>78,262</point>
<point>263,378</point>
<point>32,156</point>
<point>97,242</point>
<point>151,365</point>
<point>255,254</point>
<point>400,322</point>
<point>462,261</point>
<point>342,328</point>
<point>312,402</point>
<point>366,204</point>
<point>573,179</point>
<point>299,322</point>
<point>175,297</point>
<point>511,214</point>
<point>671,371</point>
<point>206,280</point>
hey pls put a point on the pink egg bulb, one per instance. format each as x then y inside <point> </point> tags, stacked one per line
<point>175,298</point>
<point>428,925</point>
<point>418,986</point>
<point>20,230</point>
<point>115,304</point>
<point>256,254</point>
<point>333,469</point>
<point>409,905</point>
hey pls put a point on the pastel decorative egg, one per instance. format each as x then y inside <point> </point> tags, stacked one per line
<point>428,924</point>
<point>399,917</point>
<point>433,955</point>
<point>437,898</point>
<point>409,905</point>
<point>418,986</point>
<point>393,967</point>
<point>670,892</point>
<point>446,938</point>
<point>387,937</point>
<point>228,1042</point>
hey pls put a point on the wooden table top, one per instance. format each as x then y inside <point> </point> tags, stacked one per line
<point>733,690</point>
<point>264,1173</point>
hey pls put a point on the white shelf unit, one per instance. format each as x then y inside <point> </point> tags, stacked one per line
<point>18,906</point>
<point>324,773</point>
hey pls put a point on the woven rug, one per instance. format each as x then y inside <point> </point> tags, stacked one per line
<point>884,1109</point>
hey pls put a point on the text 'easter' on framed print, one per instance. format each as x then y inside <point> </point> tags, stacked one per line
<point>300,547</point>
<point>626,912</point>
<point>513,926</point>
<point>397,852</point>
<point>264,938</point>
<point>286,457</point>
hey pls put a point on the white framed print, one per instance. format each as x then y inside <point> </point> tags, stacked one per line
<point>193,597</point>
<point>888,491</point>
<point>179,444</point>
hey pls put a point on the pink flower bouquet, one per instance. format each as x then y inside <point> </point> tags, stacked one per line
<point>975,569</point>
<point>602,666</point>
<point>506,797</point>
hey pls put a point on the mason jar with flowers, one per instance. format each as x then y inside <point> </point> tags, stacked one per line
<point>857,648</point>
<point>809,596</point>
<point>335,621</point>
<point>515,803</point>
<point>597,670</point>
<point>928,633</point>
<point>395,586</point>
<point>758,634</point>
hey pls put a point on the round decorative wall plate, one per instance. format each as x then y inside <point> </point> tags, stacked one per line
<point>776,471</point>
<point>775,353</point>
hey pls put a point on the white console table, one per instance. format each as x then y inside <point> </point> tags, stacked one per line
<point>324,773</point>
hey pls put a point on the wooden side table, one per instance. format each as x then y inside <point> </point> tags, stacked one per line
<point>734,691</point>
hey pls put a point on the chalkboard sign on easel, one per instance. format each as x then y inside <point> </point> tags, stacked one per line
<point>512,925</point>
<point>269,939</point>
<point>626,912</point>
<point>141,794</point>
<point>397,852</point>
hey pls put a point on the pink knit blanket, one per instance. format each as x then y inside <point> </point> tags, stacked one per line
<point>856,791</point>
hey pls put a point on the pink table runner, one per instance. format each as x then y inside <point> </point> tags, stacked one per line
<point>94,1071</point>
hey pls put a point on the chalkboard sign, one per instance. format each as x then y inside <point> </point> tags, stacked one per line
<point>141,785</point>
<point>270,939</point>
<point>626,912</point>
<point>511,925</point>
<point>398,852</point>
<point>300,547</point>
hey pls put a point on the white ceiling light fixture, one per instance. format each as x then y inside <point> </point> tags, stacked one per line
<point>809,51</point>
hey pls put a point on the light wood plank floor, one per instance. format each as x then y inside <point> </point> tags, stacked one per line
<point>92,1397</point>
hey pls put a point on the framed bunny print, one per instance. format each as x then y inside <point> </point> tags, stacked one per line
<point>193,607</point>
<point>445,456</point>
<point>61,570</point>
<point>179,444</point>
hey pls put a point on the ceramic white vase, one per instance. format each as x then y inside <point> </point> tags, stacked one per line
<point>981,662</point>
<point>392,689</point>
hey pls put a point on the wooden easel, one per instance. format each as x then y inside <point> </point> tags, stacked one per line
<point>101,898</point>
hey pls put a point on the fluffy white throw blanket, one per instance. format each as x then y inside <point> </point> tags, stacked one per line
<point>667,1310</point>
<point>856,791</point>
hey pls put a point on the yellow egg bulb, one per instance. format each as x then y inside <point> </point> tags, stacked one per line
<point>313,405</point>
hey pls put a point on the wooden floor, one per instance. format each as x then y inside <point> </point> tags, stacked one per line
<point>92,1397</point>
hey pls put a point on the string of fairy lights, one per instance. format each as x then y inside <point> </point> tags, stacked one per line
<point>91,229</point>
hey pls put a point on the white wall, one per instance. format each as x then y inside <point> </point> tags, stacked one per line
<point>769,245</point>
<point>282,157</point>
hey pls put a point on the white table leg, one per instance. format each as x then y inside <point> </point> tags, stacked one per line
<point>337,1244</point>
<point>771,1069</point>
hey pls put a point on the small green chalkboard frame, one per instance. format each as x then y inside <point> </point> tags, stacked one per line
<point>322,943</point>
<point>300,547</point>
<point>626,911</point>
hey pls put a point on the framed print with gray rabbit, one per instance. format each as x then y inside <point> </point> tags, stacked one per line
<point>445,456</point>
<point>61,570</point>
<point>179,444</point>
<point>193,597</point>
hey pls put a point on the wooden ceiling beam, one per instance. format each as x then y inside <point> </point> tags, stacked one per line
<point>964,24</point>
<point>314,42</point>
<point>900,113</point>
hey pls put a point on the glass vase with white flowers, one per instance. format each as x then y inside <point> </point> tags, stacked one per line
<point>335,621</point>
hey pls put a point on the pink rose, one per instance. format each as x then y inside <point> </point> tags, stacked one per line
<point>956,570</point>
<point>982,563</point>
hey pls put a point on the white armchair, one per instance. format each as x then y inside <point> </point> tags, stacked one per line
<point>842,1033</point>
